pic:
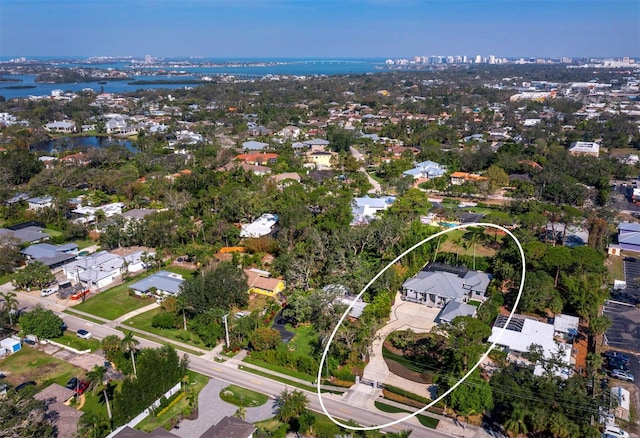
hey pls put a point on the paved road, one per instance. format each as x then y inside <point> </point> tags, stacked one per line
<point>228,372</point>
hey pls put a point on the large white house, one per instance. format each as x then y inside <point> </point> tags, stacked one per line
<point>101,269</point>
<point>260,227</point>
<point>521,333</point>
<point>364,209</point>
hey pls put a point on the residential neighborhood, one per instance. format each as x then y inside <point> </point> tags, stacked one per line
<point>196,261</point>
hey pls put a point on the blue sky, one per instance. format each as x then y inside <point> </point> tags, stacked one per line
<point>319,28</point>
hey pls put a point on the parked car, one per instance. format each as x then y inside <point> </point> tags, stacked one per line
<point>72,383</point>
<point>79,294</point>
<point>615,432</point>
<point>623,375</point>
<point>82,387</point>
<point>617,364</point>
<point>49,291</point>
<point>616,355</point>
<point>23,385</point>
<point>84,334</point>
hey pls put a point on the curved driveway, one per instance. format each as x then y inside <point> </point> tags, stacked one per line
<point>404,315</point>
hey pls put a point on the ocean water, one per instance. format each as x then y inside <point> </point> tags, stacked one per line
<point>239,67</point>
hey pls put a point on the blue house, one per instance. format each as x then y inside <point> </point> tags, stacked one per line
<point>629,236</point>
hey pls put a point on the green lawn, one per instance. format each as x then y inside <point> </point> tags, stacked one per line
<point>53,233</point>
<point>186,273</point>
<point>615,265</point>
<point>70,339</point>
<point>84,243</point>
<point>301,342</point>
<point>429,422</point>
<point>143,322</point>
<point>6,278</point>
<point>238,396</point>
<point>281,370</point>
<point>114,302</point>
<point>196,383</point>
<point>32,364</point>
<point>153,338</point>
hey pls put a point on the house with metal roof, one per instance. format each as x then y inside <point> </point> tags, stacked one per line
<point>61,126</point>
<point>438,284</point>
<point>161,282</point>
<point>629,236</point>
<point>521,333</point>
<point>24,235</point>
<point>426,169</point>
<point>40,202</point>
<point>52,256</point>
<point>260,227</point>
<point>365,209</point>
<point>454,309</point>
<point>101,269</point>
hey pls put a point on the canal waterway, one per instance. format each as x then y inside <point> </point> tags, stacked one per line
<point>61,144</point>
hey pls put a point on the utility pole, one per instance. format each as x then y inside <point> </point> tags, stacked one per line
<point>226,329</point>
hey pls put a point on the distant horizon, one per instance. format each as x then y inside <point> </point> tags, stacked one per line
<point>308,58</point>
<point>353,29</point>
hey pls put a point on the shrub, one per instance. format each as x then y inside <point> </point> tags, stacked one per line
<point>165,320</point>
<point>345,374</point>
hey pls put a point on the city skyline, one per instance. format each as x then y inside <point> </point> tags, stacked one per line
<point>334,29</point>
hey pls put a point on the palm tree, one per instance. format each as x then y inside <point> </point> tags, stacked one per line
<point>96,377</point>
<point>515,425</point>
<point>471,240</point>
<point>291,404</point>
<point>110,346</point>
<point>128,345</point>
<point>240,413</point>
<point>11,304</point>
<point>93,426</point>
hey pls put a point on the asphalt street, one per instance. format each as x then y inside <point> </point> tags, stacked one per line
<point>228,372</point>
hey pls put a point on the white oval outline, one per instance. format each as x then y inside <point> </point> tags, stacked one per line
<point>450,390</point>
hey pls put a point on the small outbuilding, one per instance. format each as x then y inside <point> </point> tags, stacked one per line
<point>11,345</point>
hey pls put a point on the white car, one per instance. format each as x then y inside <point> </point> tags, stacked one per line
<point>83,334</point>
<point>615,432</point>
<point>49,291</point>
<point>623,375</point>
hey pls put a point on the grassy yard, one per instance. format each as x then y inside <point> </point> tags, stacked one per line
<point>186,273</point>
<point>281,370</point>
<point>238,396</point>
<point>429,422</point>
<point>33,364</point>
<point>301,342</point>
<point>82,244</point>
<point>53,233</point>
<point>6,278</point>
<point>114,302</point>
<point>615,265</point>
<point>70,339</point>
<point>196,383</point>
<point>455,244</point>
<point>143,322</point>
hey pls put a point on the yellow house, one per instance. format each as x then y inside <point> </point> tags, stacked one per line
<point>320,158</point>
<point>261,283</point>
